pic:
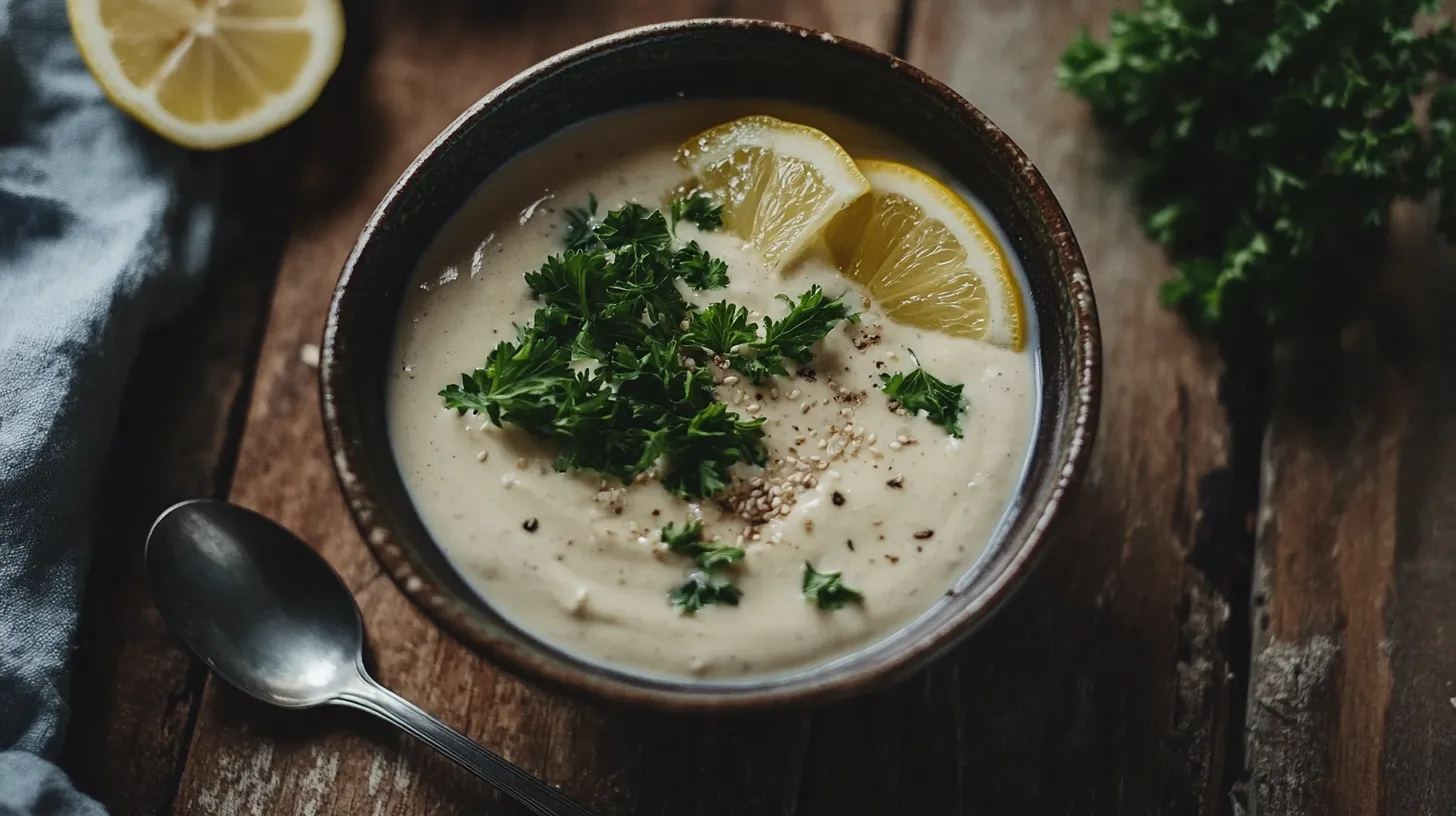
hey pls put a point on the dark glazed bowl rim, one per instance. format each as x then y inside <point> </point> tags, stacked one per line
<point>444,599</point>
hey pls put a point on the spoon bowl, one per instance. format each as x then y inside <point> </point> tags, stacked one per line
<point>266,612</point>
<point>270,616</point>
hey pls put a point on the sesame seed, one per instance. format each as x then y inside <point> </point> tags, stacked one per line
<point>482,456</point>
<point>870,439</point>
<point>774,393</point>
<point>795,394</point>
<point>895,446</point>
<point>804,409</point>
<point>903,439</point>
<point>753,408</point>
<point>731,379</point>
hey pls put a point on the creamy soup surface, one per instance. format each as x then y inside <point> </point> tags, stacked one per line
<point>898,505</point>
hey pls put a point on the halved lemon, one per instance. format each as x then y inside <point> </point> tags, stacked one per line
<point>927,257</point>
<point>779,183</point>
<point>210,73</point>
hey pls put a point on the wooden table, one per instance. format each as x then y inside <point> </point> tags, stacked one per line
<point>1251,608</point>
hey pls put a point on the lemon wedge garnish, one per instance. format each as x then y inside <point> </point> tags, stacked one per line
<point>779,183</point>
<point>210,73</point>
<point>927,257</point>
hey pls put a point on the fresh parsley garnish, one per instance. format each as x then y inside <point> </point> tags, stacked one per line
<point>697,208</point>
<point>699,269</point>
<point>689,541</point>
<point>682,541</point>
<point>1268,140</point>
<point>720,328</point>
<point>792,338</point>
<point>827,589</point>
<point>920,390</point>
<point>702,589</point>
<point>581,225</point>
<point>645,407</point>
<point>634,229</point>
<point>521,383</point>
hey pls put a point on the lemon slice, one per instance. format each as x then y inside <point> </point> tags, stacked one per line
<point>210,73</point>
<point>779,183</point>
<point>927,257</point>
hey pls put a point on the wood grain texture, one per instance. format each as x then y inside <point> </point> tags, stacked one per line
<point>1103,688</point>
<point>1353,696</point>
<point>409,69</point>
<point>134,686</point>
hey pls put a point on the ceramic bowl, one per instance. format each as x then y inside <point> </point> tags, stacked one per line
<point>724,59</point>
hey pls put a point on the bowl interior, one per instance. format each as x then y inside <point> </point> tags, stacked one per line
<point>705,59</point>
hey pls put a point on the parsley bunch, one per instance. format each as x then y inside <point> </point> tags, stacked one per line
<point>1269,138</point>
<point>642,403</point>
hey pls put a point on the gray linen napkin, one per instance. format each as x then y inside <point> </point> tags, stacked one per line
<point>104,229</point>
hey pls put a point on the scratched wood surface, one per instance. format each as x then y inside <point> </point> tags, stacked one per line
<point>1114,683</point>
<point>1353,701</point>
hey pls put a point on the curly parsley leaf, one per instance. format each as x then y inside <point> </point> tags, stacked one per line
<point>920,390</point>
<point>682,541</point>
<point>689,541</point>
<point>702,589</point>
<point>697,208</point>
<point>827,589</point>
<point>634,229</point>
<point>793,337</point>
<point>1268,140</point>
<point>699,269</point>
<point>521,382</point>
<point>719,328</point>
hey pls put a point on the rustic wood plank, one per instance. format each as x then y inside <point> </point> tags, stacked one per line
<point>134,686</point>
<point>1103,688</point>
<point>1354,678</point>
<point>389,100</point>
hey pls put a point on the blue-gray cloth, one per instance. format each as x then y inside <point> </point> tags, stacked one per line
<point>104,229</point>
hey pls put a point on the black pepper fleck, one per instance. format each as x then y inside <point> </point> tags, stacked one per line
<point>531,525</point>
<point>924,534</point>
<point>807,373</point>
<point>837,498</point>
<point>849,542</point>
<point>656,512</point>
<point>897,482</point>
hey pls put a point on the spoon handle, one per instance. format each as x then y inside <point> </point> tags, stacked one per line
<point>536,795</point>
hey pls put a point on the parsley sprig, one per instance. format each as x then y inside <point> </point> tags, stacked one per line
<point>827,589</point>
<point>697,208</point>
<point>723,330</point>
<point>702,589</point>
<point>689,541</point>
<point>920,390</point>
<point>707,585</point>
<point>1268,141</point>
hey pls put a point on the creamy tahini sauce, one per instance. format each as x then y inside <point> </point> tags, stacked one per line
<point>898,505</point>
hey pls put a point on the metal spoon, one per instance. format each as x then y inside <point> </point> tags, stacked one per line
<point>270,616</point>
